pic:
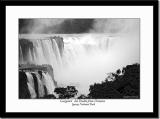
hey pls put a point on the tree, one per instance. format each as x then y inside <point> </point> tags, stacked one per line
<point>82,97</point>
<point>118,71</point>
<point>66,93</point>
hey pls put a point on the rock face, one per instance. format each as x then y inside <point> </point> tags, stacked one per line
<point>36,81</point>
<point>23,88</point>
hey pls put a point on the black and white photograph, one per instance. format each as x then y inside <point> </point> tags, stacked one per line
<point>79,58</point>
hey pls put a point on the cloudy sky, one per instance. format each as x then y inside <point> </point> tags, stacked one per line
<point>72,26</point>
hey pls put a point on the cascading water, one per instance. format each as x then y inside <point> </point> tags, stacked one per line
<point>39,86</point>
<point>48,83</point>
<point>31,85</point>
<point>79,60</point>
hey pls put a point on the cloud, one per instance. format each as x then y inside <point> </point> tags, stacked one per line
<point>55,25</point>
<point>71,26</point>
<point>39,25</point>
<point>115,25</point>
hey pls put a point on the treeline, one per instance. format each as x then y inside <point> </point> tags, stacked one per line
<point>125,83</point>
<point>122,84</point>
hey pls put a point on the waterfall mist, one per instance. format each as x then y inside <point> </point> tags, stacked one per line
<point>92,66</point>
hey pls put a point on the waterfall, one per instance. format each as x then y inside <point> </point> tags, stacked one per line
<point>41,91</point>
<point>46,50</point>
<point>62,54</point>
<point>76,47</point>
<point>32,91</point>
<point>43,51</point>
<point>48,83</point>
<point>30,80</point>
<point>76,59</point>
<point>36,84</point>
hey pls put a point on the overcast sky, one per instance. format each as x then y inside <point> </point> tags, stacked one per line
<point>72,26</point>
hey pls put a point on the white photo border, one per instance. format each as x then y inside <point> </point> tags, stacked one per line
<point>145,13</point>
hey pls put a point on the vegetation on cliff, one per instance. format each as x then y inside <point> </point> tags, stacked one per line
<point>125,84</point>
